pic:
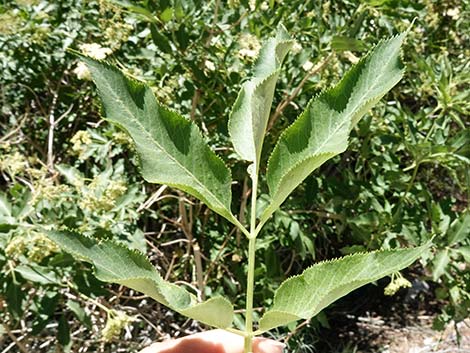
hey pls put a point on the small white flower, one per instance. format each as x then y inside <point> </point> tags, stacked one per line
<point>250,46</point>
<point>82,71</point>
<point>397,282</point>
<point>351,57</point>
<point>249,53</point>
<point>296,48</point>
<point>252,4</point>
<point>453,13</point>
<point>307,66</point>
<point>264,6</point>
<point>117,320</point>
<point>95,51</point>
<point>209,65</point>
<point>233,3</point>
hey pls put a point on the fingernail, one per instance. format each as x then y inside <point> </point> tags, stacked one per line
<point>279,345</point>
<point>271,346</point>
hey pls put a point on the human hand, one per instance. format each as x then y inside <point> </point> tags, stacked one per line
<point>214,341</point>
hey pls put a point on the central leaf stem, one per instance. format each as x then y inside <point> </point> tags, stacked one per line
<point>251,267</point>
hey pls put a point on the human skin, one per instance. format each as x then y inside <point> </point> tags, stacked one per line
<point>214,341</point>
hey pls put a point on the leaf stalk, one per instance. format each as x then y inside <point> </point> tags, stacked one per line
<point>251,267</point>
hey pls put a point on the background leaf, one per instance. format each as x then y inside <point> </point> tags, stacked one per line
<point>440,263</point>
<point>304,296</point>
<point>250,112</point>
<point>459,230</point>
<point>343,43</point>
<point>322,130</point>
<point>117,264</point>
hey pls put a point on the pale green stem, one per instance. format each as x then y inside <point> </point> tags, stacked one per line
<point>251,268</point>
<point>408,188</point>
<point>241,227</point>
<point>260,225</point>
<point>12,271</point>
<point>412,180</point>
<point>249,297</point>
<point>235,331</point>
<point>87,298</point>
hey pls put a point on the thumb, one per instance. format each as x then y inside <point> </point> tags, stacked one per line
<point>214,341</point>
<point>266,345</point>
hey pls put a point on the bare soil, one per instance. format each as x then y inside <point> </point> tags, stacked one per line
<point>397,324</point>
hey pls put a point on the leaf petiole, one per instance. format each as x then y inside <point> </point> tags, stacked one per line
<point>251,266</point>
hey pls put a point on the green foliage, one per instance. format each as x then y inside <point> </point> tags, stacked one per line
<point>172,151</point>
<point>118,264</point>
<point>402,181</point>
<point>250,112</point>
<point>304,296</point>
<point>322,131</point>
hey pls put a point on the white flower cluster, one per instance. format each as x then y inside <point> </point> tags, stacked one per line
<point>264,6</point>
<point>252,5</point>
<point>80,141</point>
<point>453,13</point>
<point>296,48</point>
<point>95,51</point>
<point>14,163</point>
<point>34,245</point>
<point>117,320</point>
<point>249,46</point>
<point>101,194</point>
<point>307,66</point>
<point>397,282</point>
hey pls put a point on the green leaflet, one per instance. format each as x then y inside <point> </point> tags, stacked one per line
<point>440,263</point>
<point>304,296</point>
<point>322,130</point>
<point>171,148</point>
<point>250,112</point>
<point>117,264</point>
<point>459,230</point>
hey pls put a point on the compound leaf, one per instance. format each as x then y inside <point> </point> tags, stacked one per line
<point>250,112</point>
<point>171,148</point>
<point>117,264</point>
<point>322,130</point>
<point>304,296</point>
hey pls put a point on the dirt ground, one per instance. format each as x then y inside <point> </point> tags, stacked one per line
<point>369,322</point>
<point>418,337</point>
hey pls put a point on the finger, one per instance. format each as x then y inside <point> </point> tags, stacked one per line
<point>160,347</point>
<point>233,343</point>
<point>214,341</point>
<point>266,345</point>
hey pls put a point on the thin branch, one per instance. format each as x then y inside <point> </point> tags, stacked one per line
<point>11,133</point>
<point>194,102</point>
<point>214,21</point>
<point>152,199</point>
<point>199,270</point>
<point>284,103</point>
<point>17,342</point>
<point>36,98</point>
<point>186,226</point>
<point>241,213</point>
<point>219,253</point>
<point>294,331</point>
<point>52,125</point>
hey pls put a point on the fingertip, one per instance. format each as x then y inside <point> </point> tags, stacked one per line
<point>266,345</point>
<point>158,347</point>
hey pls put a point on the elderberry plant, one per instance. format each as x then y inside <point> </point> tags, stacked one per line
<point>172,151</point>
